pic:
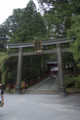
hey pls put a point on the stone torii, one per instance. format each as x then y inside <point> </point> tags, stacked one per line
<point>59,51</point>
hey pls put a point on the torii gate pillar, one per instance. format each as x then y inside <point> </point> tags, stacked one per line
<point>60,70</point>
<point>19,71</point>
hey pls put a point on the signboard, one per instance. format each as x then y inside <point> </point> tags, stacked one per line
<point>38,46</point>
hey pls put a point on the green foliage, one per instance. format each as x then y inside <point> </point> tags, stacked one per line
<point>53,57</point>
<point>2,46</point>
<point>3,78</point>
<point>72,81</point>
<point>75,7</point>
<point>3,33</point>
<point>23,25</point>
<point>77,84</point>
<point>75,31</point>
<point>3,58</point>
<point>57,17</point>
<point>27,25</point>
<point>32,68</point>
<point>69,80</point>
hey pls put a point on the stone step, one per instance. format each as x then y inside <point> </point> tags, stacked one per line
<point>42,91</point>
<point>48,85</point>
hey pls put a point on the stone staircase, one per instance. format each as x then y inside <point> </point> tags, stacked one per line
<point>48,85</point>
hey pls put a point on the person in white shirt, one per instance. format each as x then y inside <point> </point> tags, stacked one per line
<point>1,96</point>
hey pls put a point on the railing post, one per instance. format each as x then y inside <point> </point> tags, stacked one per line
<point>19,72</point>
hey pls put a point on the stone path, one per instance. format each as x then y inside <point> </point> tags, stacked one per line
<point>40,107</point>
<point>48,85</point>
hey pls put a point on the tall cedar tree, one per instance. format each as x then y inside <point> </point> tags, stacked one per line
<point>57,17</point>
<point>24,24</point>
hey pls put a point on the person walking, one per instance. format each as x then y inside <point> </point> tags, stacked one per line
<point>1,96</point>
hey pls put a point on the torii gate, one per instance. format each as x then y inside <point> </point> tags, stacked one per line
<point>59,51</point>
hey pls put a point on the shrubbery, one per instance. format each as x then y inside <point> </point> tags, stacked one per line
<point>71,80</point>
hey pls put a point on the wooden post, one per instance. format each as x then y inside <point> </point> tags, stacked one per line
<point>19,72</point>
<point>60,70</point>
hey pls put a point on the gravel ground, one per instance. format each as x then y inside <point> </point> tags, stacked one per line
<point>40,107</point>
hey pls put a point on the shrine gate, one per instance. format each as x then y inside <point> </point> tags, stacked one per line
<point>58,50</point>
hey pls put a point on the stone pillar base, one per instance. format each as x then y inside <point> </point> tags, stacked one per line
<point>18,90</point>
<point>63,91</point>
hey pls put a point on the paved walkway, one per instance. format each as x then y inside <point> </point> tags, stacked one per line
<point>47,85</point>
<point>40,107</point>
